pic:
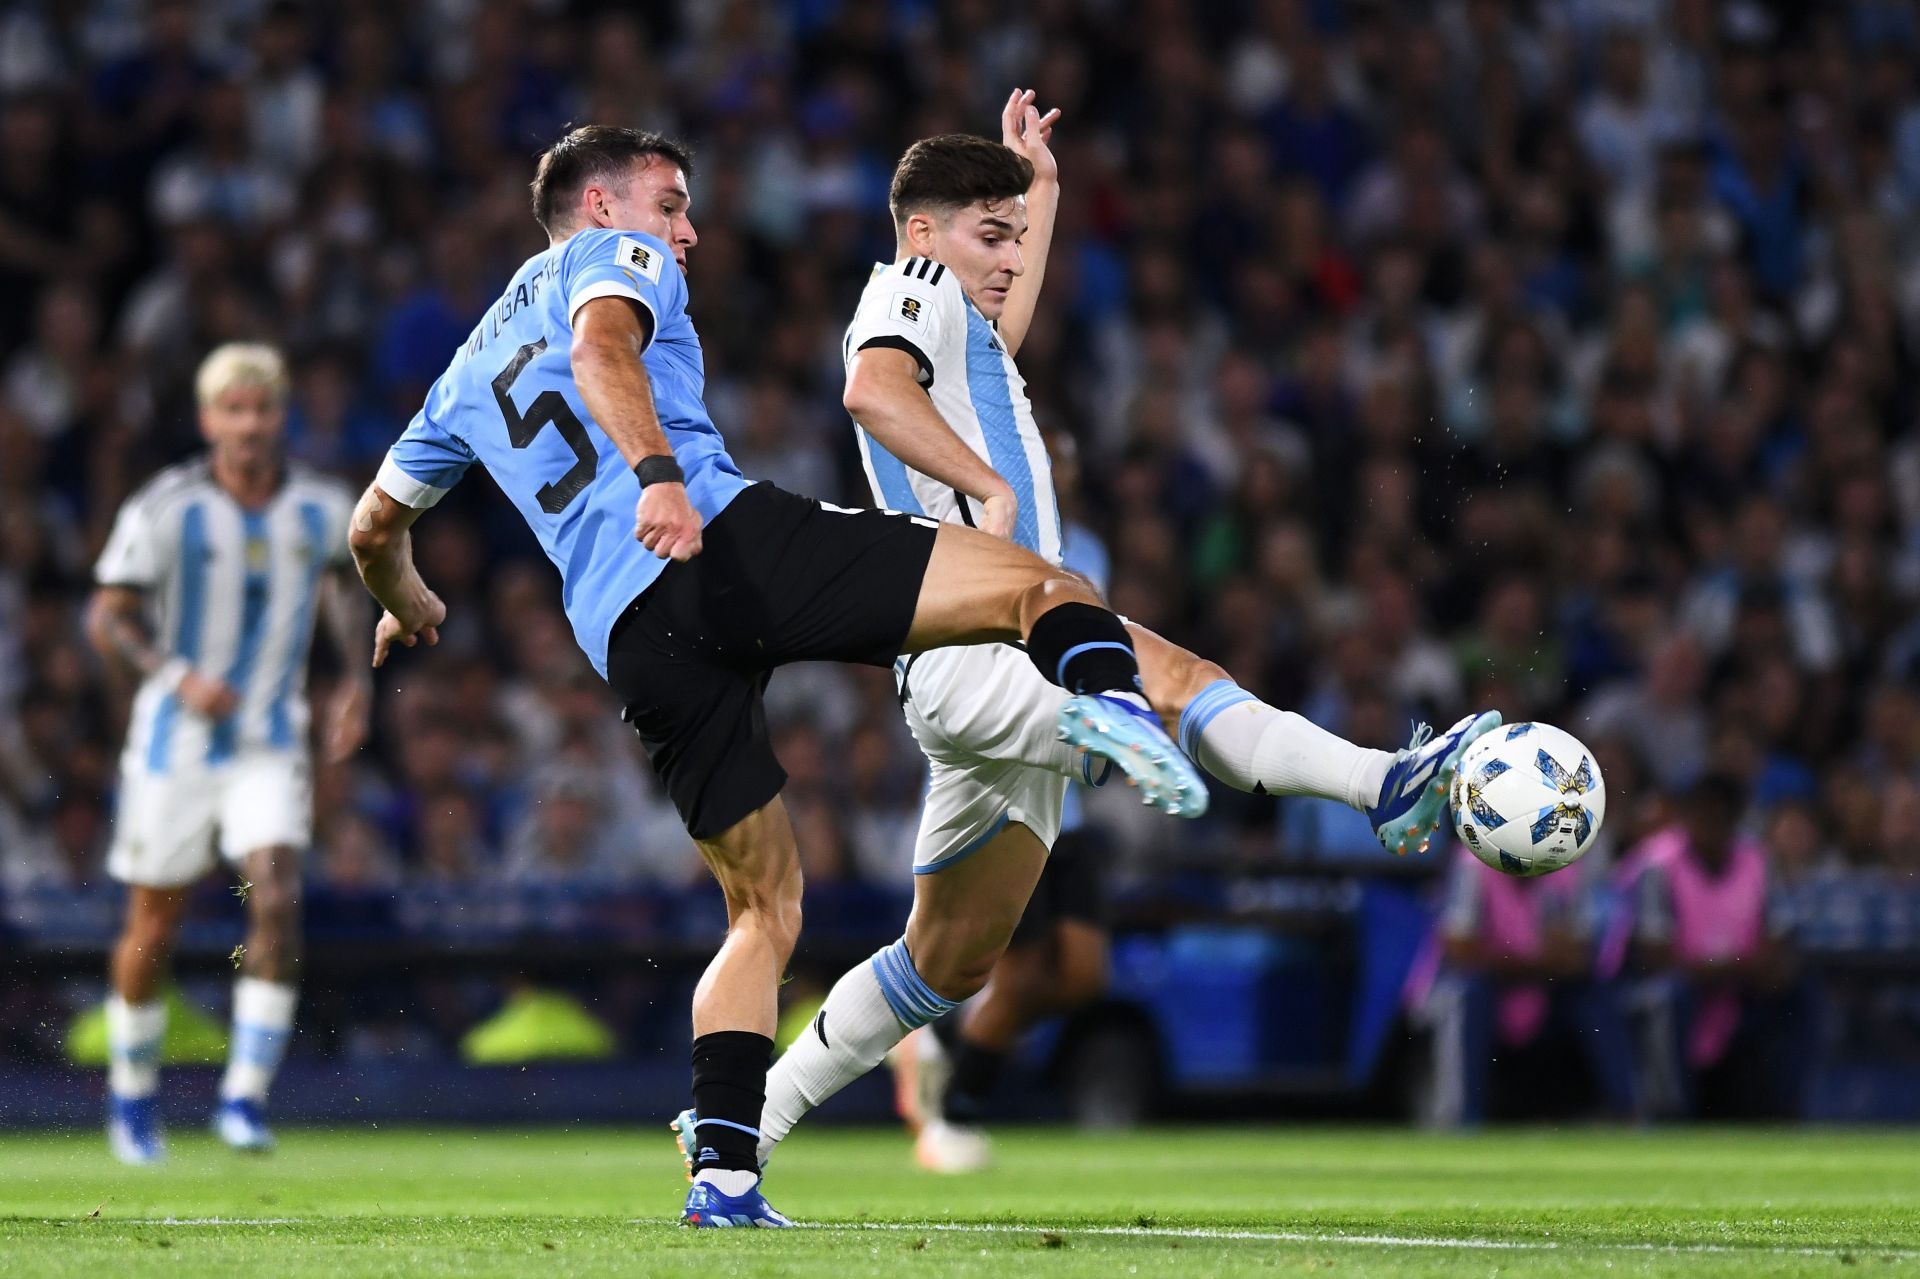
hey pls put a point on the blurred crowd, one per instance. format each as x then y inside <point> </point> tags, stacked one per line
<point>1557,356</point>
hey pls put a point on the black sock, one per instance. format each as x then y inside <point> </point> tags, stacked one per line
<point>729,1089</point>
<point>976,1071</point>
<point>1084,649</point>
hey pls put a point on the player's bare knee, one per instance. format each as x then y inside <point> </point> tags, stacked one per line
<point>957,977</point>
<point>776,916</point>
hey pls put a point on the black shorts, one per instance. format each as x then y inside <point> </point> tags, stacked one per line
<point>1072,886</point>
<point>780,579</point>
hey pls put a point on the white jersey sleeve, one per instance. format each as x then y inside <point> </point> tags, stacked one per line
<point>145,541</point>
<point>130,557</point>
<point>910,306</point>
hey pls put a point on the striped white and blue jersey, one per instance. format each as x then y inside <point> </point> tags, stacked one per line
<point>918,306</point>
<point>234,592</point>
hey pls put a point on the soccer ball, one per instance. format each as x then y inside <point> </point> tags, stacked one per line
<point>1528,799</point>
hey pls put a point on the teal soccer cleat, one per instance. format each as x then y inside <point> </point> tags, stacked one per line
<point>1413,799</point>
<point>1130,735</point>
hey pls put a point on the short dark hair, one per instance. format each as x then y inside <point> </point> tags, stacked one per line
<point>952,171</point>
<point>595,153</point>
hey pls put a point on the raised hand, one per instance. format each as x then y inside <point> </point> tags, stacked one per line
<point>1024,129</point>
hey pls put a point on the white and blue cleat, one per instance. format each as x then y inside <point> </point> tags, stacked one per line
<point>1129,734</point>
<point>241,1125</point>
<point>707,1205</point>
<point>1413,799</point>
<point>134,1131</point>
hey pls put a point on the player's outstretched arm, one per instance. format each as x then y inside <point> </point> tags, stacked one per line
<point>609,336</point>
<point>884,396</point>
<point>383,552</point>
<point>1025,130</point>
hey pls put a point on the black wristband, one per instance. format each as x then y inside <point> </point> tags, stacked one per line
<point>659,468</point>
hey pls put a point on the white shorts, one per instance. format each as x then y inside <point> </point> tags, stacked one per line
<point>989,724</point>
<point>164,832</point>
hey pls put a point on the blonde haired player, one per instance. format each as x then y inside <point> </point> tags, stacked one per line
<point>207,593</point>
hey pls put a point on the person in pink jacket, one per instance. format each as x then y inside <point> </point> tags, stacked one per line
<point>1511,991</point>
<point>1724,1027</point>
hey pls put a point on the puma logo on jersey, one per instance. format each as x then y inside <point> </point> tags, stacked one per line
<point>634,254</point>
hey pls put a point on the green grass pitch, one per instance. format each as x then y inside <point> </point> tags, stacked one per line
<point>1170,1201</point>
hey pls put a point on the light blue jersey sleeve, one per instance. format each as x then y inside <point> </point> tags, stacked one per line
<point>423,463</point>
<point>624,264</point>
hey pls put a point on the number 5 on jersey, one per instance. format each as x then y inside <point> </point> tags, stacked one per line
<point>548,408</point>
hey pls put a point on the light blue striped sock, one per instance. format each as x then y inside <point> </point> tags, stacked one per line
<point>913,1001</point>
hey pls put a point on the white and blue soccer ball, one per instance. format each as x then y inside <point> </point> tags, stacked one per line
<point>1528,799</point>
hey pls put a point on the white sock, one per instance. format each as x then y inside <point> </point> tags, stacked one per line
<point>134,1032</point>
<point>728,1181</point>
<point>262,1024</point>
<point>1252,747</point>
<point>868,1011</point>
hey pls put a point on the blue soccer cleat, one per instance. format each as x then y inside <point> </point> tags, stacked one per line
<point>707,1207</point>
<point>1413,799</point>
<point>134,1131</point>
<point>241,1126</point>
<point>1130,735</point>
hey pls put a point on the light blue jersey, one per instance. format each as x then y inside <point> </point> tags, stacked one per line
<point>509,401</point>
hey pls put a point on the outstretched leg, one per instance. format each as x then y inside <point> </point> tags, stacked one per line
<point>1258,748</point>
<point>1246,743</point>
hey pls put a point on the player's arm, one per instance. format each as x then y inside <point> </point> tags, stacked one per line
<point>884,395</point>
<point>1025,130</point>
<point>609,336</point>
<point>382,544</point>
<point>117,628</point>
<point>344,613</point>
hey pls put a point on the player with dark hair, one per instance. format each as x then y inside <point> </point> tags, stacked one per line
<point>719,582</point>
<point>946,430</point>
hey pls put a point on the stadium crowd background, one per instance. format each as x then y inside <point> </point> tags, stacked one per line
<point>1551,356</point>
